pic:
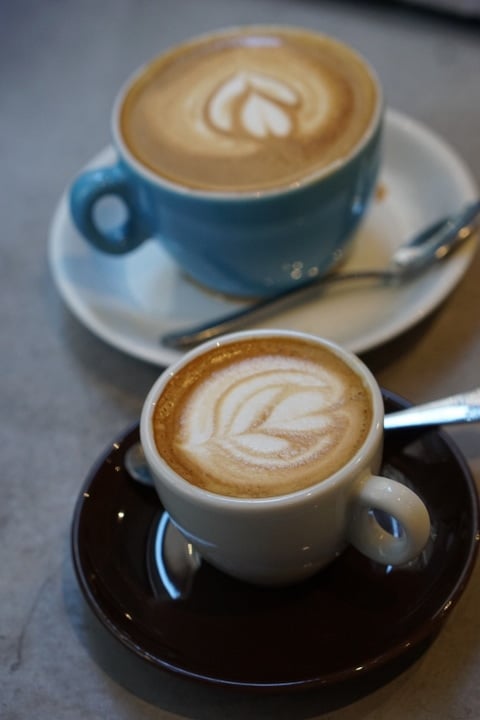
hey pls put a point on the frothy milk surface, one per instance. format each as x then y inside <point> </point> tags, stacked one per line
<point>276,104</point>
<point>262,418</point>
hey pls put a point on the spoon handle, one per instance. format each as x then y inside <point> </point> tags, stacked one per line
<point>265,308</point>
<point>434,243</point>
<point>462,408</point>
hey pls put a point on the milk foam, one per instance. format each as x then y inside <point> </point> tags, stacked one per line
<point>225,112</point>
<point>267,420</point>
<point>254,104</point>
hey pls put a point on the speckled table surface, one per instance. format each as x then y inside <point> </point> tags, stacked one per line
<point>65,393</point>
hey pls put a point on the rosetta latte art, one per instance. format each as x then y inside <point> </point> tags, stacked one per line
<point>262,417</point>
<point>267,416</point>
<point>254,104</point>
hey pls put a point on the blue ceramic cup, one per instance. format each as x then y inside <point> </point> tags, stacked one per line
<point>250,206</point>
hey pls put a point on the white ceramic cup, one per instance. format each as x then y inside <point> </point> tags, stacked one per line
<point>286,538</point>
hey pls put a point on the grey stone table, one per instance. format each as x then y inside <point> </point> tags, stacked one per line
<point>65,393</point>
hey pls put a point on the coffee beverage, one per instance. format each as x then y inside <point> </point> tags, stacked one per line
<point>262,417</point>
<point>249,109</point>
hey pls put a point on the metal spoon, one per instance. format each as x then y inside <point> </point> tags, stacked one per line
<point>461,408</point>
<point>136,465</point>
<point>431,245</point>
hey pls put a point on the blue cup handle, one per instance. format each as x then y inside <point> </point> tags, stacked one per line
<point>87,190</point>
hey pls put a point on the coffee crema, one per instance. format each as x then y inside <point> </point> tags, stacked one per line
<point>248,110</point>
<point>263,417</point>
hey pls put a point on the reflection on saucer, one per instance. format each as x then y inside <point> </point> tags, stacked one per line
<point>173,561</point>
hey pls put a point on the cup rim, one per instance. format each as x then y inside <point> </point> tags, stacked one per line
<point>245,195</point>
<point>206,497</point>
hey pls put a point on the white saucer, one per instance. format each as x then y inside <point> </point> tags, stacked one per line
<point>130,301</point>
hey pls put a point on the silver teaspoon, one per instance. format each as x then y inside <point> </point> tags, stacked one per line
<point>434,243</point>
<point>461,408</point>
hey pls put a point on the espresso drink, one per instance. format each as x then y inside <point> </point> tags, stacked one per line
<point>246,110</point>
<point>262,417</point>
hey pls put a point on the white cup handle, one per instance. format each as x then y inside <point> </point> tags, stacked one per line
<point>375,493</point>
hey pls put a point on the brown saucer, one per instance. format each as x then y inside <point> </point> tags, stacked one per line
<point>349,620</point>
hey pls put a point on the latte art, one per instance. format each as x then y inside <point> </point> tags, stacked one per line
<point>249,110</point>
<point>268,413</point>
<point>256,421</point>
<point>254,105</point>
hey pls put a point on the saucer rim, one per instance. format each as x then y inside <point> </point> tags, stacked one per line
<point>424,634</point>
<point>148,349</point>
